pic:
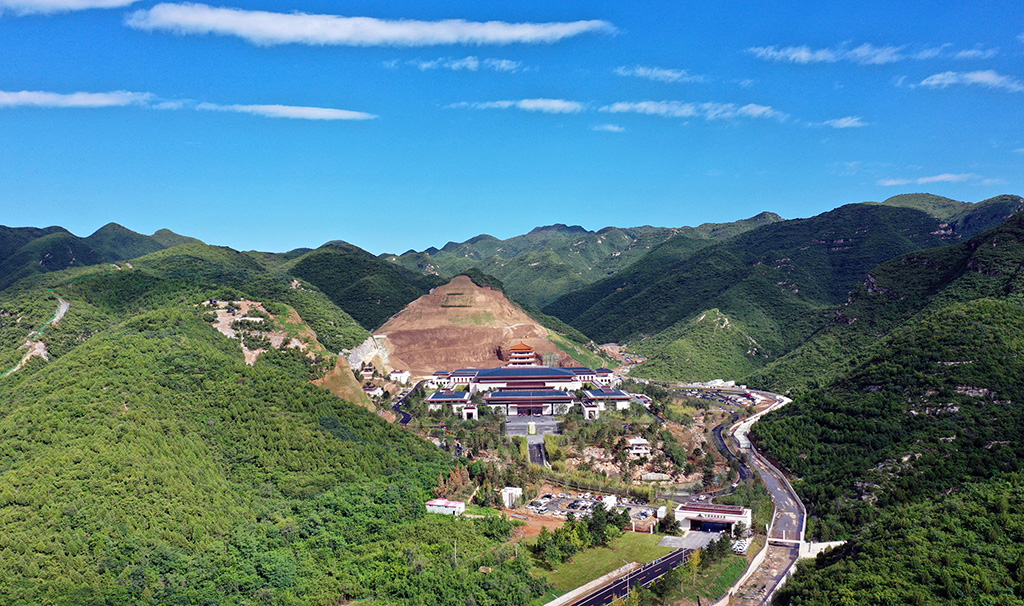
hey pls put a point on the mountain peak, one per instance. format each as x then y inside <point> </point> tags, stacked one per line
<point>560,228</point>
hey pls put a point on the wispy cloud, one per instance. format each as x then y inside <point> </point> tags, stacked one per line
<point>977,53</point>
<point>659,74</point>
<point>466,63</point>
<point>28,98</point>
<point>268,28</point>
<point>864,54</point>
<point>45,99</point>
<point>296,112</point>
<point>547,106</point>
<point>987,78</point>
<point>707,111</point>
<point>846,122</point>
<point>608,128</point>
<point>27,7</point>
<point>1020,37</point>
<point>943,178</point>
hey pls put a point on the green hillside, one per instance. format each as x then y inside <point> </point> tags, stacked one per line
<point>369,289</point>
<point>28,251</point>
<point>710,346</point>
<point>964,548</point>
<point>896,291</point>
<point>550,261</point>
<point>965,218</point>
<point>145,463</point>
<point>781,283</point>
<point>776,281</point>
<point>907,437</point>
<point>115,242</point>
<point>936,406</point>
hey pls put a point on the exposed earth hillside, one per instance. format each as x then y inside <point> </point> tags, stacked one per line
<point>460,325</point>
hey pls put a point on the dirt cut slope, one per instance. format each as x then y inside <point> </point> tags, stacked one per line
<point>460,325</point>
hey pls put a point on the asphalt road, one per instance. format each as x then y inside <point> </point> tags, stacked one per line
<point>790,516</point>
<point>404,417</point>
<point>745,473</point>
<point>642,576</point>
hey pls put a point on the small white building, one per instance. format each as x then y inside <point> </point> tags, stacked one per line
<point>400,376</point>
<point>510,495</point>
<point>374,391</point>
<point>446,507</point>
<point>709,517</point>
<point>638,447</point>
<point>609,502</point>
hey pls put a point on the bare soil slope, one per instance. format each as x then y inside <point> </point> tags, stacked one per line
<point>459,325</point>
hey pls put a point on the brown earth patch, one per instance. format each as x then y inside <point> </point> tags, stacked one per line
<point>341,382</point>
<point>461,325</point>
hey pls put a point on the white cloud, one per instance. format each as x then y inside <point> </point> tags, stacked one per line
<point>122,98</point>
<point>707,111</point>
<point>28,98</point>
<point>943,178</point>
<point>268,28</point>
<point>503,65</point>
<point>1020,37</point>
<point>865,54</point>
<point>547,106</point>
<point>946,178</point>
<point>608,128</point>
<point>1019,150</point>
<point>659,74</point>
<point>467,63</point>
<point>977,53</point>
<point>26,7</point>
<point>290,111</point>
<point>987,78</point>
<point>795,54</point>
<point>990,182</point>
<point>846,122</point>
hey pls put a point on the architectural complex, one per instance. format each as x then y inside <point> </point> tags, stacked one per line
<point>524,388</point>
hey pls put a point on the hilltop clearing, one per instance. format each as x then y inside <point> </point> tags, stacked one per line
<point>461,324</point>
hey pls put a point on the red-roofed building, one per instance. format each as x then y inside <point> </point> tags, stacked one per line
<point>522,355</point>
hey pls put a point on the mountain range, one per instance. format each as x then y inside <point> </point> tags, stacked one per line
<point>143,461</point>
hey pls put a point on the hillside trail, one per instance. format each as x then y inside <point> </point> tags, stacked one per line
<point>38,347</point>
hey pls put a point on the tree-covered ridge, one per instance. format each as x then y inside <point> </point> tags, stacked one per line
<point>369,289</point>
<point>938,406</point>
<point>965,218</point>
<point>27,251</point>
<point>965,548</point>
<point>146,463</point>
<point>897,291</point>
<point>550,261</point>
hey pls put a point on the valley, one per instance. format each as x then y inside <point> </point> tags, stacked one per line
<point>188,423</point>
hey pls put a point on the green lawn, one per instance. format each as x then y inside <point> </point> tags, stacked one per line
<point>713,582</point>
<point>587,566</point>
<point>476,510</point>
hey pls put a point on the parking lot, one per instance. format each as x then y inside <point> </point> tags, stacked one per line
<point>583,504</point>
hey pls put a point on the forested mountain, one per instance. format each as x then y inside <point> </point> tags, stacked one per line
<point>549,261</point>
<point>27,250</point>
<point>964,548</point>
<point>922,399</point>
<point>774,286</point>
<point>370,289</point>
<point>146,463</point>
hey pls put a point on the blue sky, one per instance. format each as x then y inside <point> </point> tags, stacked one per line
<point>277,124</point>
